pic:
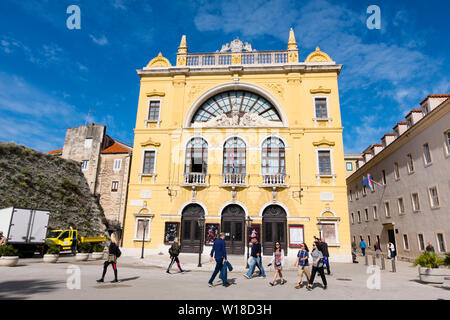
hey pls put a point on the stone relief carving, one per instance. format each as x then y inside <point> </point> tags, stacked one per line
<point>236,46</point>
<point>246,120</point>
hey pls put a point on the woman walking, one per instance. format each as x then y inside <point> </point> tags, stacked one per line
<point>278,262</point>
<point>317,259</point>
<point>303,265</point>
<point>114,253</point>
<point>174,251</point>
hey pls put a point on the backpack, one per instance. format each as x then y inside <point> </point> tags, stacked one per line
<point>118,252</point>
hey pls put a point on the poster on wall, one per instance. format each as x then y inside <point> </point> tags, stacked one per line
<point>254,231</point>
<point>171,232</point>
<point>211,233</point>
<point>295,236</point>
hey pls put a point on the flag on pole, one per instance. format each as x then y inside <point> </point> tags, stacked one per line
<point>368,181</point>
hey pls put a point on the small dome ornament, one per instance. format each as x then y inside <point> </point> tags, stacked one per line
<point>318,56</point>
<point>159,61</point>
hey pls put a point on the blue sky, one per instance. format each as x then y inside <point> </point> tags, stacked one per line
<point>50,76</point>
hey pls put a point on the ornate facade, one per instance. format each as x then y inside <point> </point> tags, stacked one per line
<point>240,141</point>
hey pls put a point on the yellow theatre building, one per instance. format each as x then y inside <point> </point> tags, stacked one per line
<point>239,141</point>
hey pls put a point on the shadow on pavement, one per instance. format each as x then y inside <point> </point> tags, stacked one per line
<point>21,289</point>
<point>128,279</point>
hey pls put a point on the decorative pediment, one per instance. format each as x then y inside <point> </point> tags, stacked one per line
<point>318,56</point>
<point>236,46</point>
<point>159,61</point>
<point>156,93</point>
<point>323,142</point>
<point>320,89</point>
<point>150,142</point>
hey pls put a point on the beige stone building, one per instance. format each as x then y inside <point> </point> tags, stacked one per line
<point>352,161</point>
<point>105,163</point>
<point>410,203</point>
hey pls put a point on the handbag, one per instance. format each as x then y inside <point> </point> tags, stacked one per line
<point>277,263</point>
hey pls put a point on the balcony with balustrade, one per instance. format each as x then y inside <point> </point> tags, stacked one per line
<point>234,180</point>
<point>274,180</point>
<point>195,179</point>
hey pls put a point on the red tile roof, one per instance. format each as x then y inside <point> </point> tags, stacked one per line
<point>117,147</point>
<point>446,95</point>
<point>55,151</point>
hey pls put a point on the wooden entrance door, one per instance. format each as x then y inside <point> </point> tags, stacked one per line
<point>274,229</point>
<point>233,224</point>
<point>190,231</point>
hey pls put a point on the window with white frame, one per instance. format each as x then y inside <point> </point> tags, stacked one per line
<point>375,212</point>
<point>350,196</point>
<point>426,153</point>
<point>353,217</point>
<point>84,164</point>
<point>383,172</point>
<point>421,242</point>
<point>447,141</point>
<point>149,162</point>
<point>401,206</point>
<point>115,186</point>
<point>88,143</point>
<point>324,159</point>
<point>405,242</point>
<point>359,216</point>
<point>117,164</point>
<point>366,214</point>
<point>387,209</point>
<point>369,243</point>
<point>415,201</point>
<point>349,166</point>
<point>396,171</point>
<point>153,110</point>
<point>434,197</point>
<point>410,163</point>
<point>321,108</point>
<point>142,225</point>
<point>441,242</point>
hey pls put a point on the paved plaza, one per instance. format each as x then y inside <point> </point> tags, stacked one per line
<point>147,279</point>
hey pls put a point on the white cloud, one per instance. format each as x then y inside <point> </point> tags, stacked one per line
<point>102,41</point>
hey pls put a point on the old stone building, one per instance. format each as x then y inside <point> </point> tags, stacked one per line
<point>409,204</point>
<point>105,163</point>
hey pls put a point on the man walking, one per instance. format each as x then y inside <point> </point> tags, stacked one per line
<point>363,246</point>
<point>220,254</point>
<point>429,247</point>
<point>326,255</point>
<point>256,259</point>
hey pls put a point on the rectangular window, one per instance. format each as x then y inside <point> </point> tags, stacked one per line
<point>387,209</point>
<point>141,225</point>
<point>426,153</point>
<point>405,242</point>
<point>353,217</point>
<point>117,164</point>
<point>369,243</point>
<point>366,214</point>
<point>321,108</point>
<point>401,205</point>
<point>410,163</point>
<point>441,243</point>
<point>115,186</point>
<point>153,111</point>
<point>421,242</point>
<point>434,197</point>
<point>384,176</point>
<point>359,216</point>
<point>350,196</point>
<point>149,162</point>
<point>396,171</point>
<point>415,201</point>
<point>378,240</point>
<point>328,232</point>
<point>88,143</point>
<point>324,163</point>
<point>84,164</point>
<point>375,212</point>
<point>349,166</point>
<point>447,141</point>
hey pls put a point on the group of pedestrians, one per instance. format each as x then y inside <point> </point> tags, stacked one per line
<point>391,252</point>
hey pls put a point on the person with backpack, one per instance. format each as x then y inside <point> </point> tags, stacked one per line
<point>303,265</point>
<point>317,259</point>
<point>114,253</point>
<point>278,262</point>
<point>174,251</point>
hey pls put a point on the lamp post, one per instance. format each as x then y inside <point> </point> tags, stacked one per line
<point>143,238</point>
<point>249,225</point>
<point>201,223</point>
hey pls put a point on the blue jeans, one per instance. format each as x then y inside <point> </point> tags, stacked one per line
<point>363,250</point>
<point>219,265</point>
<point>253,263</point>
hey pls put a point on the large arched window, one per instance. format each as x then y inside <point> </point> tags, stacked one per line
<point>235,104</point>
<point>234,156</point>
<point>273,156</point>
<point>196,156</point>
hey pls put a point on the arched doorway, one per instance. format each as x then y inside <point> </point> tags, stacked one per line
<point>274,229</point>
<point>190,231</point>
<point>233,224</point>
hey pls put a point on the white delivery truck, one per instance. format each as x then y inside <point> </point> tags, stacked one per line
<point>25,229</point>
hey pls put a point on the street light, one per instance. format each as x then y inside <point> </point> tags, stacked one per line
<point>249,225</point>
<point>143,238</point>
<point>201,223</point>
